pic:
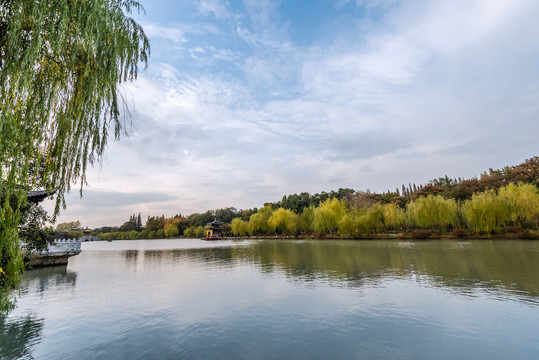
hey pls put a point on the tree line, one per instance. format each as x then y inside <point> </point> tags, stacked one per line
<point>485,213</point>
<point>505,199</point>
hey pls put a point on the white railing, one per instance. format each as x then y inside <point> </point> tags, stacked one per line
<point>61,245</point>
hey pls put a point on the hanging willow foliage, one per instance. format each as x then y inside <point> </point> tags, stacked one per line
<point>62,63</point>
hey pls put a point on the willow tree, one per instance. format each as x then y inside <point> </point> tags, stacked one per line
<point>432,211</point>
<point>523,202</point>
<point>238,226</point>
<point>283,221</point>
<point>62,63</point>
<point>328,214</point>
<point>258,222</point>
<point>487,212</point>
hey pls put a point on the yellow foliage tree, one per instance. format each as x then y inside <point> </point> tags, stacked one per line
<point>283,221</point>
<point>487,212</point>
<point>432,211</point>
<point>328,214</point>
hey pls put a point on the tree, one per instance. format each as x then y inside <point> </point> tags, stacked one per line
<point>171,230</point>
<point>32,229</point>
<point>487,211</point>
<point>394,216</point>
<point>139,222</point>
<point>239,227</point>
<point>68,226</point>
<point>227,214</point>
<point>61,66</point>
<point>347,224</point>
<point>284,221</point>
<point>189,232</point>
<point>328,214</point>
<point>155,223</point>
<point>258,222</point>
<point>523,202</point>
<point>199,231</point>
<point>305,220</point>
<point>432,211</point>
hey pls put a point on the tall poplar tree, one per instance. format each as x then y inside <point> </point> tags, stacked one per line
<point>62,63</point>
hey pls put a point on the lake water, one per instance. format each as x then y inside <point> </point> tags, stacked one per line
<point>281,299</point>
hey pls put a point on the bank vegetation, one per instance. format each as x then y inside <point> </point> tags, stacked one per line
<point>500,203</point>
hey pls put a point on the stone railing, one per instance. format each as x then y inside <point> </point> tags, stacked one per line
<point>70,245</point>
<point>61,245</point>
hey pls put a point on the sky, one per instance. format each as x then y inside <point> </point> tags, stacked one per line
<point>245,101</point>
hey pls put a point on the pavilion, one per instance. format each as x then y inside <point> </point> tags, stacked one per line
<point>213,230</point>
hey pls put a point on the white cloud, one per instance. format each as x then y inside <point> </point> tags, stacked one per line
<point>430,87</point>
<point>174,34</point>
<point>216,7</point>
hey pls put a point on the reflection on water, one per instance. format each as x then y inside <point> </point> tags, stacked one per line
<point>512,266</point>
<point>44,279</point>
<point>494,266</point>
<point>281,299</point>
<point>18,336</point>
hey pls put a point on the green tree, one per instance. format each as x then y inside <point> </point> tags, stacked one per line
<point>432,211</point>
<point>283,221</point>
<point>375,218</point>
<point>523,203</point>
<point>67,226</point>
<point>144,234</point>
<point>61,64</point>
<point>155,223</point>
<point>33,230</point>
<point>199,231</point>
<point>258,222</point>
<point>306,219</point>
<point>239,227</point>
<point>171,230</point>
<point>394,216</point>
<point>347,224</point>
<point>487,212</point>
<point>189,232</point>
<point>328,214</point>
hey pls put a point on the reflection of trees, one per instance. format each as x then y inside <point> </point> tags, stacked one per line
<point>131,258</point>
<point>221,255</point>
<point>19,336</point>
<point>463,266</point>
<point>485,264</point>
<point>47,278</point>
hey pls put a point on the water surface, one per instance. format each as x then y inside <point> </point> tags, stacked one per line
<point>279,299</point>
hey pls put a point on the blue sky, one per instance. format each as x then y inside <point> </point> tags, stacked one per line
<point>245,101</point>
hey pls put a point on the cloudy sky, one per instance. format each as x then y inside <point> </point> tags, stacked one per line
<point>245,101</point>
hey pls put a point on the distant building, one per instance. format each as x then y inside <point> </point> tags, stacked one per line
<point>213,230</point>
